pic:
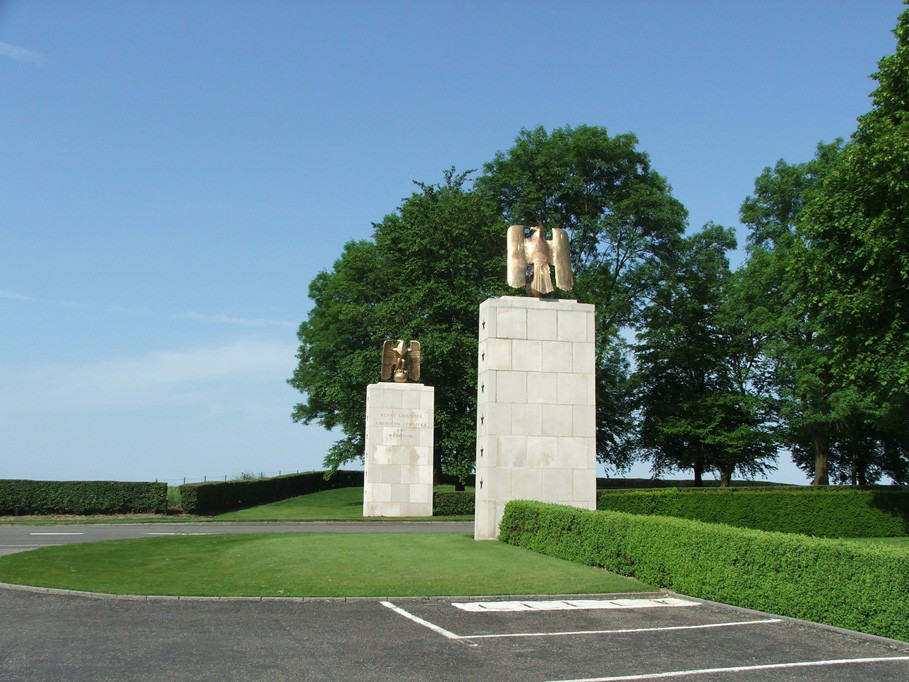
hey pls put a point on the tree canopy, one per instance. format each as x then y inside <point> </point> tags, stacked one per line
<point>423,276</point>
<point>624,224</point>
<point>699,408</point>
<point>805,347</point>
<point>856,236</point>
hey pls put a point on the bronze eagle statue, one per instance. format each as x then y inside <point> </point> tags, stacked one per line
<point>403,362</point>
<point>540,254</point>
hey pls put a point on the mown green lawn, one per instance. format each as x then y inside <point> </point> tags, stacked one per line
<point>342,504</point>
<point>307,565</point>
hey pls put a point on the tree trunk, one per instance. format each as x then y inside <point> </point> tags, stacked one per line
<point>436,461</point>
<point>820,440</point>
<point>726,476</point>
<point>698,473</point>
<point>862,476</point>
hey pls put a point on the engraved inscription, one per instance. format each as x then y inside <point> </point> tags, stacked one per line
<point>402,418</point>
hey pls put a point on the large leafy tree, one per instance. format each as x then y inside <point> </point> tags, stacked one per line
<point>337,353</point>
<point>623,224</point>
<point>855,258</point>
<point>698,370</point>
<point>829,424</point>
<point>797,339</point>
<point>423,276</point>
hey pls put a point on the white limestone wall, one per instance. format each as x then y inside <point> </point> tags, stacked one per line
<point>399,443</point>
<point>536,406</point>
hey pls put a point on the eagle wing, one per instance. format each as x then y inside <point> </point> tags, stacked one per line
<point>388,358</point>
<point>517,261</point>
<point>413,353</point>
<point>561,259</point>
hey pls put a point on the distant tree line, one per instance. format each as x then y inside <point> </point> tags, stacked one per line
<point>803,348</point>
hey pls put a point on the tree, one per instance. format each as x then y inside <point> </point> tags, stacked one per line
<point>797,338</point>
<point>861,453</point>
<point>695,367</point>
<point>450,257</point>
<point>337,353</point>
<point>855,233</point>
<point>623,222</point>
<point>423,276</point>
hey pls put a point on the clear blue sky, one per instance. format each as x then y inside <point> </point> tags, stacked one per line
<point>174,174</point>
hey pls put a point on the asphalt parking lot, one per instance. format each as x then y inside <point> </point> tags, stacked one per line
<point>50,637</point>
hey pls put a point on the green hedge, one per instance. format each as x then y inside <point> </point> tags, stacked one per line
<point>822,512</point>
<point>18,498</point>
<point>216,497</point>
<point>637,483</point>
<point>837,582</point>
<point>453,503</point>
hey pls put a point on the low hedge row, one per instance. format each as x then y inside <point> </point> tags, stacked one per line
<point>822,512</point>
<point>216,497</point>
<point>837,582</point>
<point>629,483</point>
<point>20,498</point>
<point>453,503</point>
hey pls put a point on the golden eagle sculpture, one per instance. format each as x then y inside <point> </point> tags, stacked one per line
<point>540,254</point>
<point>403,362</point>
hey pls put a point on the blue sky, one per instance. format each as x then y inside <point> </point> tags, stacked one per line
<point>174,174</point>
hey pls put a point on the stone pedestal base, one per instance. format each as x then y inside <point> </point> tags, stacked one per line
<point>536,406</point>
<point>399,442</point>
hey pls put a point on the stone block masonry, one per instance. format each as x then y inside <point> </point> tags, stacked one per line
<point>399,444</point>
<point>536,406</point>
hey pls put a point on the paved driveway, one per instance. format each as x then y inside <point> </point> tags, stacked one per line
<point>19,537</point>
<point>48,636</point>
<point>51,637</point>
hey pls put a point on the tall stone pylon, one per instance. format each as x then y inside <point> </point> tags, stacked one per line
<point>536,406</point>
<point>399,444</point>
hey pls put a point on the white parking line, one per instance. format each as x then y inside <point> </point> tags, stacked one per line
<point>667,628</point>
<point>570,605</point>
<point>450,635</point>
<point>739,669</point>
<point>56,533</point>
<point>420,621</point>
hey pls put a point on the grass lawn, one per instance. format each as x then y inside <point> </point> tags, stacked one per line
<point>307,565</point>
<point>341,504</point>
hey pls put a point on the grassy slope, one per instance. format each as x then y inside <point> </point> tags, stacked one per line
<point>307,564</point>
<point>342,504</point>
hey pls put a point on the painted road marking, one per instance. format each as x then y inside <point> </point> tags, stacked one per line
<point>740,669</point>
<point>56,533</point>
<point>665,628</point>
<point>570,605</point>
<point>450,635</point>
<point>420,621</point>
<point>17,546</point>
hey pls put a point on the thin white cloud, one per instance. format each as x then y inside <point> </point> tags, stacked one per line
<point>191,315</point>
<point>15,295</point>
<point>256,322</point>
<point>20,54</point>
<point>193,376</point>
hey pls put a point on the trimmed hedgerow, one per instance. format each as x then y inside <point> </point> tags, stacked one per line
<point>638,483</point>
<point>216,497</point>
<point>19,497</point>
<point>461,503</point>
<point>837,582</point>
<point>822,512</point>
